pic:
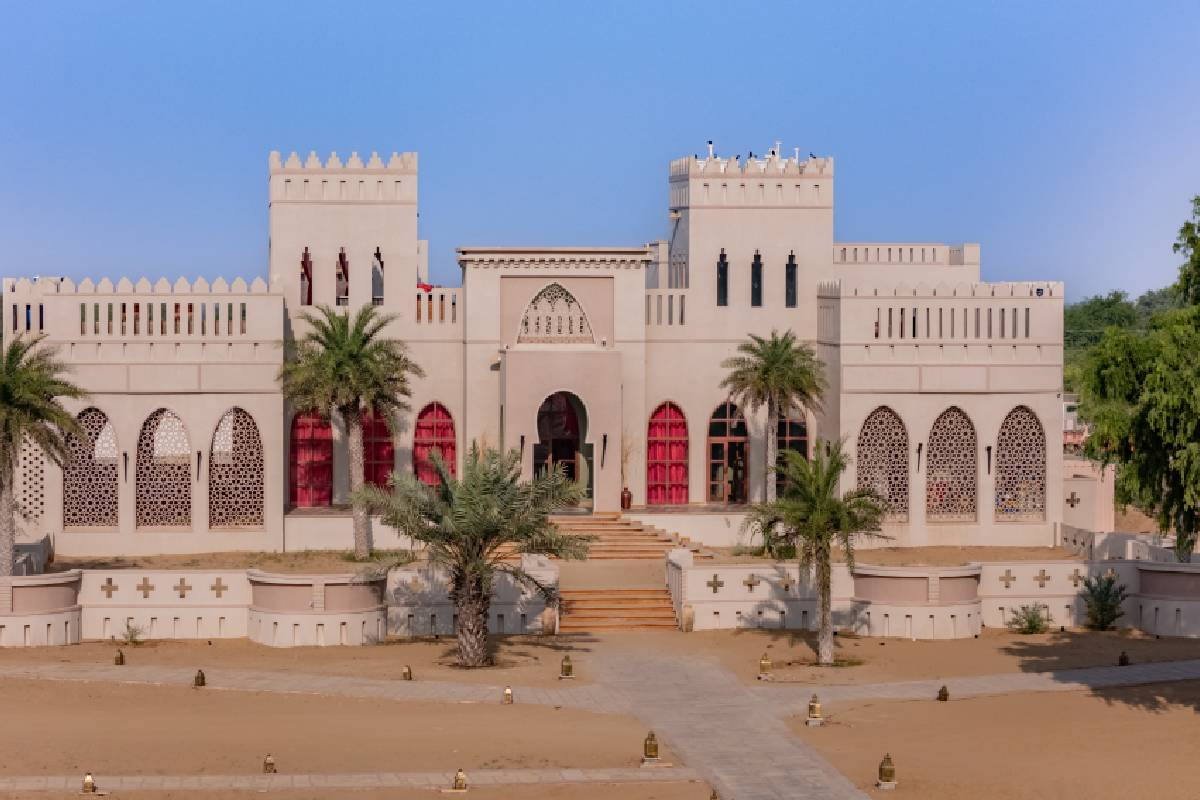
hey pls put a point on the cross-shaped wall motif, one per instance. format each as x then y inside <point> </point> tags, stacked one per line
<point>1041,578</point>
<point>1073,500</point>
<point>108,587</point>
<point>1007,578</point>
<point>751,582</point>
<point>219,588</point>
<point>1076,577</point>
<point>715,584</point>
<point>145,587</point>
<point>182,587</point>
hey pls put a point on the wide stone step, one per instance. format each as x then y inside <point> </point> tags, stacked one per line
<point>621,625</point>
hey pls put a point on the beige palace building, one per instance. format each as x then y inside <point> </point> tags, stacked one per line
<point>946,389</point>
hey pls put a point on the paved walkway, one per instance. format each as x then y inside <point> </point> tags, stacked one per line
<point>385,780</point>
<point>732,734</point>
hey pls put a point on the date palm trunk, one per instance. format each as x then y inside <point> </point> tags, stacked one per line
<point>362,523</point>
<point>8,527</point>
<point>772,451</point>
<point>473,602</point>
<point>824,590</point>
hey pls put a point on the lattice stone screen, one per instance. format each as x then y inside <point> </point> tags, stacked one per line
<point>882,455</point>
<point>31,481</point>
<point>952,471</point>
<point>554,316</point>
<point>90,474</point>
<point>164,473</point>
<point>235,473</point>
<point>1021,468</point>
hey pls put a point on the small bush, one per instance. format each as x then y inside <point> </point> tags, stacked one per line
<point>1103,597</point>
<point>1030,619</point>
<point>133,634</point>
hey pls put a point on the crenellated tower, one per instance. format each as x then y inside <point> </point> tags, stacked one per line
<point>345,233</point>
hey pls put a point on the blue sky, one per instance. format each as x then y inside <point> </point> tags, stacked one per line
<point>1061,136</point>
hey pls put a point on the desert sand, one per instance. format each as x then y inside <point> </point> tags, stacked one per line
<point>66,728</point>
<point>1112,744</point>
<point>682,790</point>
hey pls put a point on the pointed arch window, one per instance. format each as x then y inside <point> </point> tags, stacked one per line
<point>1021,468</point>
<point>163,481</point>
<point>311,462</point>
<point>90,474</point>
<point>434,431</point>
<point>235,473</point>
<point>555,316</point>
<point>952,469</point>
<point>667,457</point>
<point>882,456</point>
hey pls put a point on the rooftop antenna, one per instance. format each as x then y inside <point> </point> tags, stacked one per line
<point>797,151</point>
<point>778,147</point>
<point>710,148</point>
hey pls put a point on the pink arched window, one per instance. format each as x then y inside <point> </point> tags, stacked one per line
<point>434,431</point>
<point>667,457</point>
<point>311,463</point>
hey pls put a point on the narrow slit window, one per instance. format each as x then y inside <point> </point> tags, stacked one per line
<point>110,318</point>
<point>454,308</point>
<point>203,319</point>
<point>229,319</point>
<point>977,315</point>
<point>789,284</point>
<point>191,324</point>
<point>122,319</point>
<point>177,319</point>
<point>162,319</point>
<point>889,323</point>
<point>682,297</point>
<point>1027,323</point>
<point>42,316</point>
<point>670,309</point>
<point>28,316</point>
<point>95,318</point>
<point>1003,326</point>
<point>242,312</point>
<point>722,280</point>
<point>989,323</point>
<point>149,319</point>
<point>756,279</point>
<point>137,318</point>
<point>878,316</point>
<point>418,306</point>
<point>82,318</point>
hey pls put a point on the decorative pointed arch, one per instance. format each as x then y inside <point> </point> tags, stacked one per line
<point>554,316</point>
<point>434,431</point>
<point>882,456</point>
<point>236,475</point>
<point>952,469</point>
<point>667,457</point>
<point>1021,468</point>
<point>90,474</point>
<point>311,461</point>
<point>163,481</point>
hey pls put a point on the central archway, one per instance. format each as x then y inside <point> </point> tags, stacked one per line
<point>562,439</point>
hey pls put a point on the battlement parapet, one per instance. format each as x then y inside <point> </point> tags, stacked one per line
<point>773,164</point>
<point>42,286</point>
<point>1045,290</point>
<point>397,163</point>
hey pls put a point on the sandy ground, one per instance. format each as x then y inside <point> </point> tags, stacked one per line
<point>995,651</point>
<point>690,790</point>
<point>924,556</point>
<point>1114,744</point>
<point>64,728</point>
<point>521,660</point>
<point>1132,519</point>
<point>301,561</point>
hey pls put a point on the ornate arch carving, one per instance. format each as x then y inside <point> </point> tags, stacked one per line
<point>952,469</point>
<point>554,316</point>
<point>236,475</point>
<point>882,453</point>
<point>1021,467</point>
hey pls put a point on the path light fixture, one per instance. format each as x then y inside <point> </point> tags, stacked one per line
<point>764,668</point>
<point>269,765</point>
<point>1123,659</point>
<point>567,670</point>
<point>89,784</point>
<point>508,696</point>
<point>650,750</point>
<point>199,681</point>
<point>943,693</point>
<point>406,673</point>
<point>460,781</point>
<point>814,719</point>
<point>887,773</point>
<point>119,658</point>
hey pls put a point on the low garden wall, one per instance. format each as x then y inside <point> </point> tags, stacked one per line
<point>38,610</point>
<point>316,610</point>
<point>928,602</point>
<point>164,604</point>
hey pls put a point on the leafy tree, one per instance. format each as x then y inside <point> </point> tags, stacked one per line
<point>345,364</point>
<point>781,373</point>
<point>470,525</point>
<point>813,517</point>
<point>1103,597</point>
<point>1156,301</point>
<point>1141,392</point>
<point>32,384</point>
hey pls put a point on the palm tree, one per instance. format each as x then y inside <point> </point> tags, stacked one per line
<point>345,364</point>
<point>32,382</point>
<point>470,525</point>
<point>813,517</point>
<point>781,373</point>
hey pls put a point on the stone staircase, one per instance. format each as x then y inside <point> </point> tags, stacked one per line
<point>617,538</point>
<point>616,609</point>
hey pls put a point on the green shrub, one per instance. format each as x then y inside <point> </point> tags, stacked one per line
<point>1030,619</point>
<point>1103,597</point>
<point>133,634</point>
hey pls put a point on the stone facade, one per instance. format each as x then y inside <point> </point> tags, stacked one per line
<point>946,389</point>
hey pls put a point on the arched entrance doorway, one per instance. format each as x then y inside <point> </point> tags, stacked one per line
<point>728,461</point>
<point>562,435</point>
